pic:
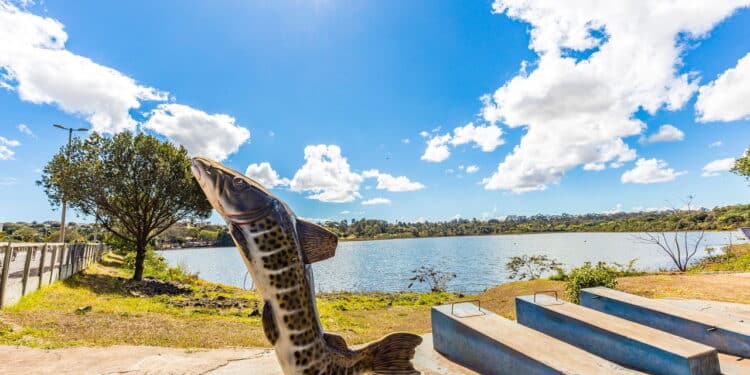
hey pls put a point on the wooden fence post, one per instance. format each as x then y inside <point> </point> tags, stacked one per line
<point>52,264</point>
<point>62,256</point>
<point>4,277</point>
<point>42,258</point>
<point>26,269</point>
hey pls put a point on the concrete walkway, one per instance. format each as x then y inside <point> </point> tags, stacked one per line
<point>134,360</point>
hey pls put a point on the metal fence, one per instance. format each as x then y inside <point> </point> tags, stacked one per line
<point>26,267</point>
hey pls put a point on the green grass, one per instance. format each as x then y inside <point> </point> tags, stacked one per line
<point>735,259</point>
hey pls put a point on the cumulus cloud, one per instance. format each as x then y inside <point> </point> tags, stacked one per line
<point>211,135</point>
<point>6,148</point>
<point>485,137</point>
<point>326,174</point>
<point>715,167</point>
<point>266,175</point>
<point>376,201</point>
<point>666,133</point>
<point>472,169</point>
<point>35,64</point>
<point>598,63</point>
<point>650,171</point>
<point>437,149</point>
<point>390,183</point>
<point>39,68</point>
<point>726,98</point>
<point>25,130</point>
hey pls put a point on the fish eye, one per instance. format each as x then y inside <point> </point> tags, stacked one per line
<point>239,183</point>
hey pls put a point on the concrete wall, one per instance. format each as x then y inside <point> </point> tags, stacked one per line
<point>26,267</point>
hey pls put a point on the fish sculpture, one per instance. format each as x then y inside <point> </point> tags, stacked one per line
<point>278,249</point>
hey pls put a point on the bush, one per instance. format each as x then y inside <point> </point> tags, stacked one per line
<point>530,266</point>
<point>437,280</point>
<point>588,276</point>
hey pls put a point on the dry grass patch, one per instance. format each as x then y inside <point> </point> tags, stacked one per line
<point>100,307</point>
<point>501,299</point>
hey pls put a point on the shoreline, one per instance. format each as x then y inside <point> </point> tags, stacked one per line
<point>740,239</point>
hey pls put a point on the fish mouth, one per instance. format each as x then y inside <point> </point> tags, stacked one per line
<point>230,192</point>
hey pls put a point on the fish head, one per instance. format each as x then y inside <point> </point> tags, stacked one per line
<point>231,193</point>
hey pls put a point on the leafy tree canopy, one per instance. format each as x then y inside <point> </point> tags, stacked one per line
<point>742,165</point>
<point>136,186</point>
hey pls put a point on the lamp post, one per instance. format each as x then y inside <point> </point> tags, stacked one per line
<point>64,204</point>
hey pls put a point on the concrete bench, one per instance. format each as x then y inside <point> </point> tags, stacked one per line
<point>622,341</point>
<point>491,344</point>
<point>728,335</point>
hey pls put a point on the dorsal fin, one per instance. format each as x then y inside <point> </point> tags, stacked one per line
<point>317,242</point>
<point>335,341</point>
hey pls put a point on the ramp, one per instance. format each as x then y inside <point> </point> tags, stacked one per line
<point>622,341</point>
<point>490,344</point>
<point>727,335</point>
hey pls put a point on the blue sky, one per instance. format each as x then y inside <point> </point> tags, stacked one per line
<point>378,108</point>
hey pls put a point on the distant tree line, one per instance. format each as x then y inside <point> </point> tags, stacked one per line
<point>719,218</point>
<point>188,234</point>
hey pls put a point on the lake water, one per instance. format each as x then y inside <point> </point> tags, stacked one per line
<point>479,262</point>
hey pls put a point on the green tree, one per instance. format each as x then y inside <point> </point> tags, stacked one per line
<point>742,165</point>
<point>136,186</point>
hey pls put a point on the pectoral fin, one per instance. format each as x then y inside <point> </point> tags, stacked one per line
<point>317,242</point>
<point>269,326</point>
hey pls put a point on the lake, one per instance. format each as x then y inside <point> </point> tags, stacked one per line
<point>478,261</point>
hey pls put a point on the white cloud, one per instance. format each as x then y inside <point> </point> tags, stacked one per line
<point>390,183</point>
<point>406,141</point>
<point>42,71</point>
<point>472,169</point>
<point>616,210</point>
<point>25,130</point>
<point>345,212</point>
<point>424,134</point>
<point>577,111</point>
<point>6,148</point>
<point>8,181</point>
<point>666,133</point>
<point>715,144</point>
<point>715,167</point>
<point>327,175</point>
<point>35,64</point>
<point>376,201</point>
<point>726,98</point>
<point>264,174</point>
<point>486,137</point>
<point>649,171</point>
<point>211,135</point>
<point>437,149</point>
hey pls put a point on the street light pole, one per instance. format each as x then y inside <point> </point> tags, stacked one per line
<point>64,203</point>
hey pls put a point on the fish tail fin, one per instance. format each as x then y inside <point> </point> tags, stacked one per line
<point>393,353</point>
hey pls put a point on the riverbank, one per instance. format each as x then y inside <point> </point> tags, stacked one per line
<point>101,307</point>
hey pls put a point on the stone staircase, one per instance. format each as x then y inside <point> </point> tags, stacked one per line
<point>609,333</point>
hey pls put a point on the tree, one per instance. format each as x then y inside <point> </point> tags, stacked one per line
<point>742,165</point>
<point>680,245</point>
<point>530,267</point>
<point>135,186</point>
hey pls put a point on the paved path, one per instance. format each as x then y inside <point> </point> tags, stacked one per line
<point>132,360</point>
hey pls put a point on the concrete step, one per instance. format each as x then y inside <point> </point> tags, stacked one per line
<point>726,334</point>
<point>490,344</point>
<point>622,341</point>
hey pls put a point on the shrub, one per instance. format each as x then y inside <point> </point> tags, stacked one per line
<point>437,280</point>
<point>530,266</point>
<point>588,276</point>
